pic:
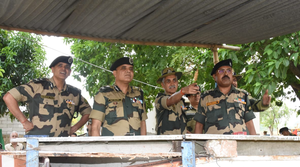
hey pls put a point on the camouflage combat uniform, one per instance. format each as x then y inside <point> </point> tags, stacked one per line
<point>224,114</point>
<point>169,120</point>
<point>191,123</point>
<point>120,114</point>
<point>50,110</point>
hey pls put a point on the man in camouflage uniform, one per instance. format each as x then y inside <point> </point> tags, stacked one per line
<point>256,105</point>
<point>170,118</point>
<point>120,108</point>
<point>225,109</point>
<point>190,113</point>
<point>51,102</point>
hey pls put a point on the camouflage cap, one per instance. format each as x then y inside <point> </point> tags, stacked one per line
<point>237,76</point>
<point>226,62</point>
<point>168,71</point>
<point>64,59</point>
<point>121,61</point>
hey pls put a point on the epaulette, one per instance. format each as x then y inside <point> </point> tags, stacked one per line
<point>136,88</point>
<point>40,80</point>
<point>107,88</point>
<point>159,94</point>
<point>206,92</point>
<point>242,90</point>
<point>72,88</point>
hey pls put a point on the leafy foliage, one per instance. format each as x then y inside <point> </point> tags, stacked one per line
<point>21,60</point>
<point>271,64</point>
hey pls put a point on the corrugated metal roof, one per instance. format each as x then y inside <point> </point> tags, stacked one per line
<point>178,22</point>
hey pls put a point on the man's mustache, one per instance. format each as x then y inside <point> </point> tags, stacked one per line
<point>172,86</point>
<point>225,77</point>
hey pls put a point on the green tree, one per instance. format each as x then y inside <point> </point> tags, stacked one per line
<point>22,59</point>
<point>148,64</point>
<point>273,116</point>
<point>271,64</point>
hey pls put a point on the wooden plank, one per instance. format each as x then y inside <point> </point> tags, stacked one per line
<point>106,139</point>
<point>110,147</point>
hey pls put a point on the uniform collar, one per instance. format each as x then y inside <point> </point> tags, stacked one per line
<point>232,89</point>
<point>117,89</point>
<point>65,88</point>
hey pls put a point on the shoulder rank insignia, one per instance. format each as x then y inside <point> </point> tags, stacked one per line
<point>213,103</point>
<point>239,100</point>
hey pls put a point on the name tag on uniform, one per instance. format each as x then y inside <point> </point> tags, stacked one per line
<point>239,100</point>
<point>111,100</point>
<point>213,103</point>
<point>47,97</point>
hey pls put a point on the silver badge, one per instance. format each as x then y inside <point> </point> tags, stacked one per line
<point>169,71</point>
<point>230,64</point>
<point>130,61</point>
<point>70,60</point>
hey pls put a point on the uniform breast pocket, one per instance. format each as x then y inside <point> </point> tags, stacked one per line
<point>239,110</point>
<point>214,114</point>
<point>46,106</point>
<point>114,109</point>
<point>137,106</point>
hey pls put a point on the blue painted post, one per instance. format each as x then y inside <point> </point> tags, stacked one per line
<point>188,153</point>
<point>32,154</point>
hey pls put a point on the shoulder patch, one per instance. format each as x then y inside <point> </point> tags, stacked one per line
<point>107,88</point>
<point>40,80</point>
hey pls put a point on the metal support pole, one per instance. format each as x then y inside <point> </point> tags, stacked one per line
<point>188,153</point>
<point>32,154</point>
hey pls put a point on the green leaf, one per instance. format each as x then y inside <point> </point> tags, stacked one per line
<point>276,71</point>
<point>275,55</point>
<point>277,64</point>
<point>270,69</point>
<point>268,51</point>
<point>250,78</point>
<point>286,62</point>
<point>256,89</point>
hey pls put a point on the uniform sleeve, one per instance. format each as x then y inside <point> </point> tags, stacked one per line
<point>161,103</point>
<point>84,107</point>
<point>98,111</point>
<point>258,106</point>
<point>144,113</point>
<point>200,114</point>
<point>22,93</point>
<point>249,115</point>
